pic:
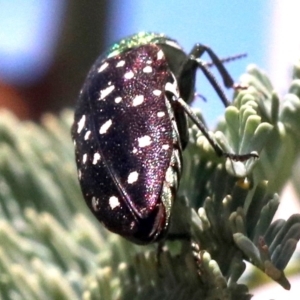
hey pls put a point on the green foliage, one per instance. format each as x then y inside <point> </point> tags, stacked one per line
<point>51,247</point>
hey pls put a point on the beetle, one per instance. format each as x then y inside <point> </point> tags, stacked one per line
<point>130,129</point>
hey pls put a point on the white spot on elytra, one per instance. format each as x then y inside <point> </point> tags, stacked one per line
<point>95,204</point>
<point>132,225</point>
<point>134,150</point>
<point>129,75</point>
<point>113,202</point>
<point>105,126</point>
<point>165,147</point>
<point>103,67</point>
<point>157,92</point>
<point>118,99</point>
<point>137,100</point>
<point>160,114</point>
<point>96,158</point>
<point>106,92</point>
<point>133,177</point>
<point>84,158</point>
<point>81,123</point>
<point>147,69</point>
<point>79,174</point>
<point>87,135</point>
<point>144,141</point>
<point>160,54</point>
<point>120,63</point>
<point>173,88</point>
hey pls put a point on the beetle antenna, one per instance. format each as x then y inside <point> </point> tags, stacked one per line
<point>228,59</point>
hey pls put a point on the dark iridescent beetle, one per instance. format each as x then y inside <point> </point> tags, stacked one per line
<point>130,129</point>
